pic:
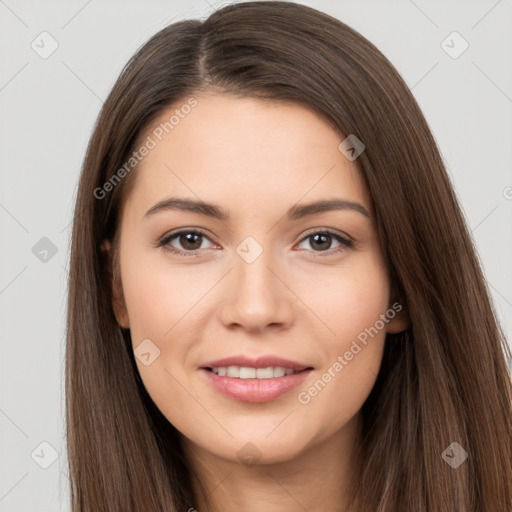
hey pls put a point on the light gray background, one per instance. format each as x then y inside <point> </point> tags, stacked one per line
<point>48,107</point>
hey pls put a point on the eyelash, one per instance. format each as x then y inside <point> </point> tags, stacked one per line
<point>345,242</point>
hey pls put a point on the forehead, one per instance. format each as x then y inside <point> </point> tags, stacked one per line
<point>245,152</point>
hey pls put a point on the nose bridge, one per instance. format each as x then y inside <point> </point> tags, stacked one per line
<point>251,273</point>
<point>256,297</point>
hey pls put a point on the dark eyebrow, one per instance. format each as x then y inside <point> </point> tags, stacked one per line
<point>294,213</point>
<point>326,205</point>
<point>188,205</point>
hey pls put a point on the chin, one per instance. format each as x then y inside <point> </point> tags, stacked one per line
<point>256,447</point>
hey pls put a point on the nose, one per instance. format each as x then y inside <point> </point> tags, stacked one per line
<point>258,296</point>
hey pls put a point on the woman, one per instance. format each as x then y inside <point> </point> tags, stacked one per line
<point>329,344</point>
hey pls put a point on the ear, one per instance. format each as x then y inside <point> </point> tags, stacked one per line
<point>118,302</point>
<point>398,316</point>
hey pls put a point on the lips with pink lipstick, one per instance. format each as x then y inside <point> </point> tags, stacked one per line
<point>258,379</point>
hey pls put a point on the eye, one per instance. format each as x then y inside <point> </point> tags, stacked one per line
<point>322,240</point>
<point>189,239</point>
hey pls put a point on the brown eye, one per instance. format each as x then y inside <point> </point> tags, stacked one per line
<point>188,242</point>
<point>321,241</point>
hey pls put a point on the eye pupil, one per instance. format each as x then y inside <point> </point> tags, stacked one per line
<point>187,240</point>
<point>323,238</point>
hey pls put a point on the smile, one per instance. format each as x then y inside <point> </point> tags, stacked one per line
<point>246,372</point>
<point>254,385</point>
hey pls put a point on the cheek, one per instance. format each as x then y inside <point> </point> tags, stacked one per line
<point>349,304</point>
<point>346,299</point>
<point>158,297</point>
<point>160,305</point>
<point>164,305</point>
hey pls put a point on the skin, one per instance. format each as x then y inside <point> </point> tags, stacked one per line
<point>256,159</point>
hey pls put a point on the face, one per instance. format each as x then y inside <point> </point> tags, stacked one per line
<point>278,288</point>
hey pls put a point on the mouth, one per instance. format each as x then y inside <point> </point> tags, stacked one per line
<point>248,372</point>
<point>254,385</point>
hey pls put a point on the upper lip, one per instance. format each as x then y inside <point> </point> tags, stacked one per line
<point>256,362</point>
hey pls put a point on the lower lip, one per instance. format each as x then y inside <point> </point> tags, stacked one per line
<point>255,390</point>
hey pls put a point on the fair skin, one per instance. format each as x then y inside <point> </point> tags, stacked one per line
<point>255,159</point>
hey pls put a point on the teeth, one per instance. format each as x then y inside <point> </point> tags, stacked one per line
<point>265,373</point>
<point>247,373</point>
<point>279,372</point>
<point>233,371</point>
<point>244,372</point>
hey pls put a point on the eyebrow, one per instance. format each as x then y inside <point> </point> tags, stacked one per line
<point>294,213</point>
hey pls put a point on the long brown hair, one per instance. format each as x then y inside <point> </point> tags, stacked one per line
<point>443,380</point>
